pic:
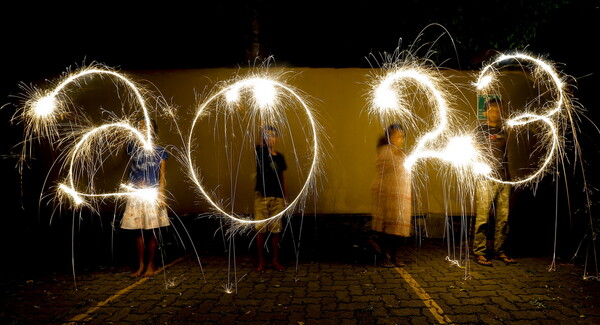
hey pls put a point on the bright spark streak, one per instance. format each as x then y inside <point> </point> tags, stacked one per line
<point>460,151</point>
<point>385,97</point>
<point>74,195</point>
<point>84,140</point>
<point>560,104</point>
<point>483,82</point>
<point>233,95</point>
<point>41,114</point>
<point>149,194</point>
<point>385,101</point>
<point>265,93</point>
<point>548,161</point>
<point>485,79</point>
<point>44,107</point>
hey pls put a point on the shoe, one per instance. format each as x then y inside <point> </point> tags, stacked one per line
<point>398,264</point>
<point>481,260</point>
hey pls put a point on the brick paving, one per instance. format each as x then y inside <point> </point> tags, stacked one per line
<point>327,290</point>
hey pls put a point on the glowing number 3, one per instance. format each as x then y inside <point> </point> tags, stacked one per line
<point>562,101</point>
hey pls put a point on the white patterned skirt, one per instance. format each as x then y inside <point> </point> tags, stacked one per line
<point>144,214</point>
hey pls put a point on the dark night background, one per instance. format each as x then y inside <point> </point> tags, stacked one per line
<point>41,41</point>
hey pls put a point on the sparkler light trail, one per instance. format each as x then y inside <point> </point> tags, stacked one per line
<point>85,147</point>
<point>42,115</point>
<point>396,97</point>
<point>552,115</point>
<point>454,144</point>
<point>448,140</point>
<point>265,100</point>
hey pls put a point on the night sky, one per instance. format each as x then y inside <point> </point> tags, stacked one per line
<point>43,41</point>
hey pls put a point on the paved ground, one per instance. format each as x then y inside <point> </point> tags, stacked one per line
<point>328,290</point>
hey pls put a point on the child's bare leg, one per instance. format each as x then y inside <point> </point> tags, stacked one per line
<point>275,244</point>
<point>152,245</point>
<point>140,250</point>
<point>260,243</point>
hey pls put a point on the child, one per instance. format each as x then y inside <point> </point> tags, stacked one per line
<point>270,194</point>
<point>146,216</point>
<point>392,208</point>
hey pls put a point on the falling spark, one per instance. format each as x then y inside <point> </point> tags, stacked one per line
<point>85,145</point>
<point>266,98</point>
<point>445,140</point>
<point>449,142</point>
<point>43,111</point>
<point>552,116</point>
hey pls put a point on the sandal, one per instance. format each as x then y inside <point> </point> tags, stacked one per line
<point>398,264</point>
<point>386,264</point>
<point>481,260</point>
<point>505,259</point>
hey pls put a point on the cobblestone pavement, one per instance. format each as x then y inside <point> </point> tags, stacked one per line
<point>428,290</point>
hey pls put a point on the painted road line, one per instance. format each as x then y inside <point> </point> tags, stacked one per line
<point>434,308</point>
<point>87,316</point>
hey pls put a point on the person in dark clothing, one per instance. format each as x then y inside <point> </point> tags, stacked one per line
<point>270,195</point>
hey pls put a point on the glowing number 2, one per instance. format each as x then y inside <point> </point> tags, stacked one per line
<point>458,150</point>
<point>43,111</point>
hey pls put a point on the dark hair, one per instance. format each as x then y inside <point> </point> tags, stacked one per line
<point>152,123</point>
<point>268,128</point>
<point>385,139</point>
<point>493,100</point>
<point>264,133</point>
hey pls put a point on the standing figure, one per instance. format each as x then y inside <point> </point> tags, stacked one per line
<point>391,196</point>
<point>146,214</point>
<point>492,194</point>
<point>270,195</point>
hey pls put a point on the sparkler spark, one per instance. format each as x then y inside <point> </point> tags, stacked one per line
<point>266,99</point>
<point>42,113</point>
<point>449,141</point>
<point>44,106</point>
<point>551,117</point>
<point>445,140</point>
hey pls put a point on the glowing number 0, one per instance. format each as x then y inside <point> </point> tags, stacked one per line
<point>265,98</point>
